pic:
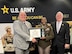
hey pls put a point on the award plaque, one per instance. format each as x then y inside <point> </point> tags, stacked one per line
<point>36,33</point>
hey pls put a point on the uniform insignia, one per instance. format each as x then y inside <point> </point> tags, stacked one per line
<point>47,29</point>
<point>49,24</point>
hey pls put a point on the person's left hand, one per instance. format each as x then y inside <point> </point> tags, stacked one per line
<point>67,46</point>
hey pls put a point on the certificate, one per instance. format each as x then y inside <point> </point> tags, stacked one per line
<point>35,33</point>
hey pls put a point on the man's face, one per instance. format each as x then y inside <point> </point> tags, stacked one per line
<point>22,16</point>
<point>59,16</point>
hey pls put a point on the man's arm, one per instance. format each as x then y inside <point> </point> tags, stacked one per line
<point>67,34</point>
<point>19,31</point>
<point>67,37</point>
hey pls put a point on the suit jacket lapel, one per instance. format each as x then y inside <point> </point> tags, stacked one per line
<point>61,27</point>
<point>54,25</point>
<point>24,27</point>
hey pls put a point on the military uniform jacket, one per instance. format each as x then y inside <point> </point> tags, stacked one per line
<point>48,34</point>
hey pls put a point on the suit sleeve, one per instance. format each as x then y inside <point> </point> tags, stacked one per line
<point>67,34</point>
<point>19,31</point>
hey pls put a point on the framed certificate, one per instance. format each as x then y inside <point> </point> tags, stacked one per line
<point>35,33</point>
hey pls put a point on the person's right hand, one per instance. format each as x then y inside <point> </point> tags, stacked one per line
<point>43,38</point>
<point>34,40</point>
<point>67,46</point>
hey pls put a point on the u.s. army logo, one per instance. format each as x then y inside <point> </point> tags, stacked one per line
<point>5,10</point>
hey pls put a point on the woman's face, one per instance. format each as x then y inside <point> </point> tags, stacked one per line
<point>43,20</point>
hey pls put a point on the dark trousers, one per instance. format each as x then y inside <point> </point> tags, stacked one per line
<point>57,50</point>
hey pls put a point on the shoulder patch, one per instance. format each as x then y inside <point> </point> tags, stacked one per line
<point>49,24</point>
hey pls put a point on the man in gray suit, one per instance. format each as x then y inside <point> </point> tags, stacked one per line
<point>21,34</point>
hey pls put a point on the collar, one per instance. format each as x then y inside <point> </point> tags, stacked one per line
<point>59,21</point>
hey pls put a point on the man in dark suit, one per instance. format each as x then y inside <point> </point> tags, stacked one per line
<point>61,35</point>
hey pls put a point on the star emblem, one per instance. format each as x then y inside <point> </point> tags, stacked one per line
<point>5,10</point>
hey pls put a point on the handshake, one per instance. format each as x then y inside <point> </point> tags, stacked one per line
<point>34,40</point>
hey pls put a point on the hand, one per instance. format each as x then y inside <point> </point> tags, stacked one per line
<point>34,40</point>
<point>67,46</point>
<point>43,38</point>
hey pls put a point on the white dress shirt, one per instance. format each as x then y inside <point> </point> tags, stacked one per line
<point>58,26</point>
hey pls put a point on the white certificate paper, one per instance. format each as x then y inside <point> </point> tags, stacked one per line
<point>35,33</point>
